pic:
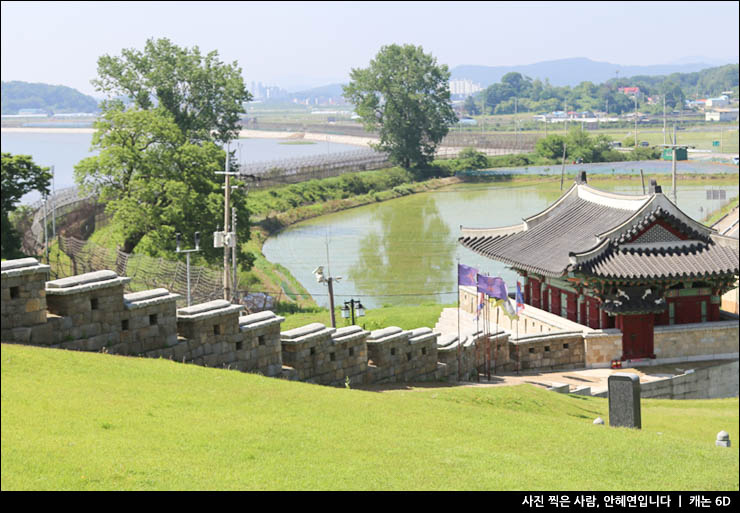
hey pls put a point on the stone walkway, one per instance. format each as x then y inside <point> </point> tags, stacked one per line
<point>594,378</point>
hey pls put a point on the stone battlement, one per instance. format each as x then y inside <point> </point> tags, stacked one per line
<point>91,312</point>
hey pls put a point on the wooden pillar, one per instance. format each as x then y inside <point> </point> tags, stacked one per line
<point>555,301</point>
<point>603,319</point>
<point>535,294</point>
<point>545,303</point>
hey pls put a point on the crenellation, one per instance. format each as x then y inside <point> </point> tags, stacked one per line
<point>23,298</point>
<point>91,312</point>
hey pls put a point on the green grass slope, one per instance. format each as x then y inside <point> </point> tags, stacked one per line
<point>89,421</point>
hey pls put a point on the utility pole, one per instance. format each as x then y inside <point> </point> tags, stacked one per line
<point>227,199</point>
<point>53,206</point>
<point>664,132</point>
<point>227,238</point>
<point>187,257</point>
<point>516,127</point>
<point>46,232</point>
<point>234,280</point>
<point>635,120</point>
<point>562,172</point>
<point>320,278</point>
<point>330,284</point>
<point>674,147</point>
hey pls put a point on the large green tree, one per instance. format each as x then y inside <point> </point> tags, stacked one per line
<point>158,146</point>
<point>205,96</point>
<point>404,95</point>
<point>19,176</point>
<point>156,183</point>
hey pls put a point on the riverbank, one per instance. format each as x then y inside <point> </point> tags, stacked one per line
<point>275,279</point>
<point>548,187</point>
<point>243,134</point>
<point>309,136</point>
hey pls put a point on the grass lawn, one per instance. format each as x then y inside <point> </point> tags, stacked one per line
<point>90,421</point>
<point>405,317</point>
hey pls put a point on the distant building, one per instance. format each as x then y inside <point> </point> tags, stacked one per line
<point>722,101</point>
<point>630,91</point>
<point>464,87</point>
<point>721,115</point>
<point>32,112</point>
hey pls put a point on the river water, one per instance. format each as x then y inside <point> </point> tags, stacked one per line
<point>405,251</point>
<point>64,150</point>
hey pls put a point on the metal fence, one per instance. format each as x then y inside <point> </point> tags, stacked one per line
<point>314,167</point>
<point>74,256</point>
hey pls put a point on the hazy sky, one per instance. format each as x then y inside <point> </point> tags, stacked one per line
<point>304,44</point>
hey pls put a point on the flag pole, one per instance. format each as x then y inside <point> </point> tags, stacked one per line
<point>488,347</point>
<point>496,352</point>
<point>459,374</point>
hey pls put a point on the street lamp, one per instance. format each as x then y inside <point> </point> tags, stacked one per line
<point>187,255</point>
<point>320,278</point>
<point>350,307</point>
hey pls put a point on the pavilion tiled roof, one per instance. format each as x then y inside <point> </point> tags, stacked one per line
<point>692,259</point>
<point>590,231</point>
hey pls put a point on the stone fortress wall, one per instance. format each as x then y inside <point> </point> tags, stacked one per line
<point>91,312</point>
<point>540,339</point>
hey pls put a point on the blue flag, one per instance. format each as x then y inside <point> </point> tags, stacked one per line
<point>466,275</point>
<point>492,287</point>
<point>519,299</point>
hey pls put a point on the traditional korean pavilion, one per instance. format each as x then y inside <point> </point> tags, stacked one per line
<point>609,260</point>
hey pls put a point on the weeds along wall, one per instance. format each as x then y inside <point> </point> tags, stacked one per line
<point>91,312</point>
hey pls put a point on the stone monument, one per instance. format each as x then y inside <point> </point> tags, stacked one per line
<point>624,400</point>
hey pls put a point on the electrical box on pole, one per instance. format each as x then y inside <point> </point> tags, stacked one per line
<point>218,239</point>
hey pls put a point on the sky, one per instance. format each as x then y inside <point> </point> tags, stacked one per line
<point>298,45</point>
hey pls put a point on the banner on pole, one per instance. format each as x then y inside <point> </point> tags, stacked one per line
<point>466,275</point>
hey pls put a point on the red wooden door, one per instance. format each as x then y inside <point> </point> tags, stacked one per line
<point>637,336</point>
<point>689,309</point>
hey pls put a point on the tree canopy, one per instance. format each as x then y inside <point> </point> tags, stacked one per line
<point>158,155</point>
<point>538,96</point>
<point>19,176</point>
<point>156,183</point>
<point>404,95</point>
<point>202,93</point>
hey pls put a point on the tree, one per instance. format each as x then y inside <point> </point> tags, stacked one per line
<point>156,183</point>
<point>158,154</point>
<point>405,96</point>
<point>550,147</point>
<point>674,97</point>
<point>470,107</point>
<point>19,176</point>
<point>519,84</point>
<point>203,94</point>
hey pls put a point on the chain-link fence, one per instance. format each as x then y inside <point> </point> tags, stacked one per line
<point>73,256</point>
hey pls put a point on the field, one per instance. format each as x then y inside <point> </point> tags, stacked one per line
<point>90,421</point>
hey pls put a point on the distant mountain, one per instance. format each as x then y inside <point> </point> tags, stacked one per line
<point>570,72</point>
<point>44,97</point>
<point>329,91</point>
